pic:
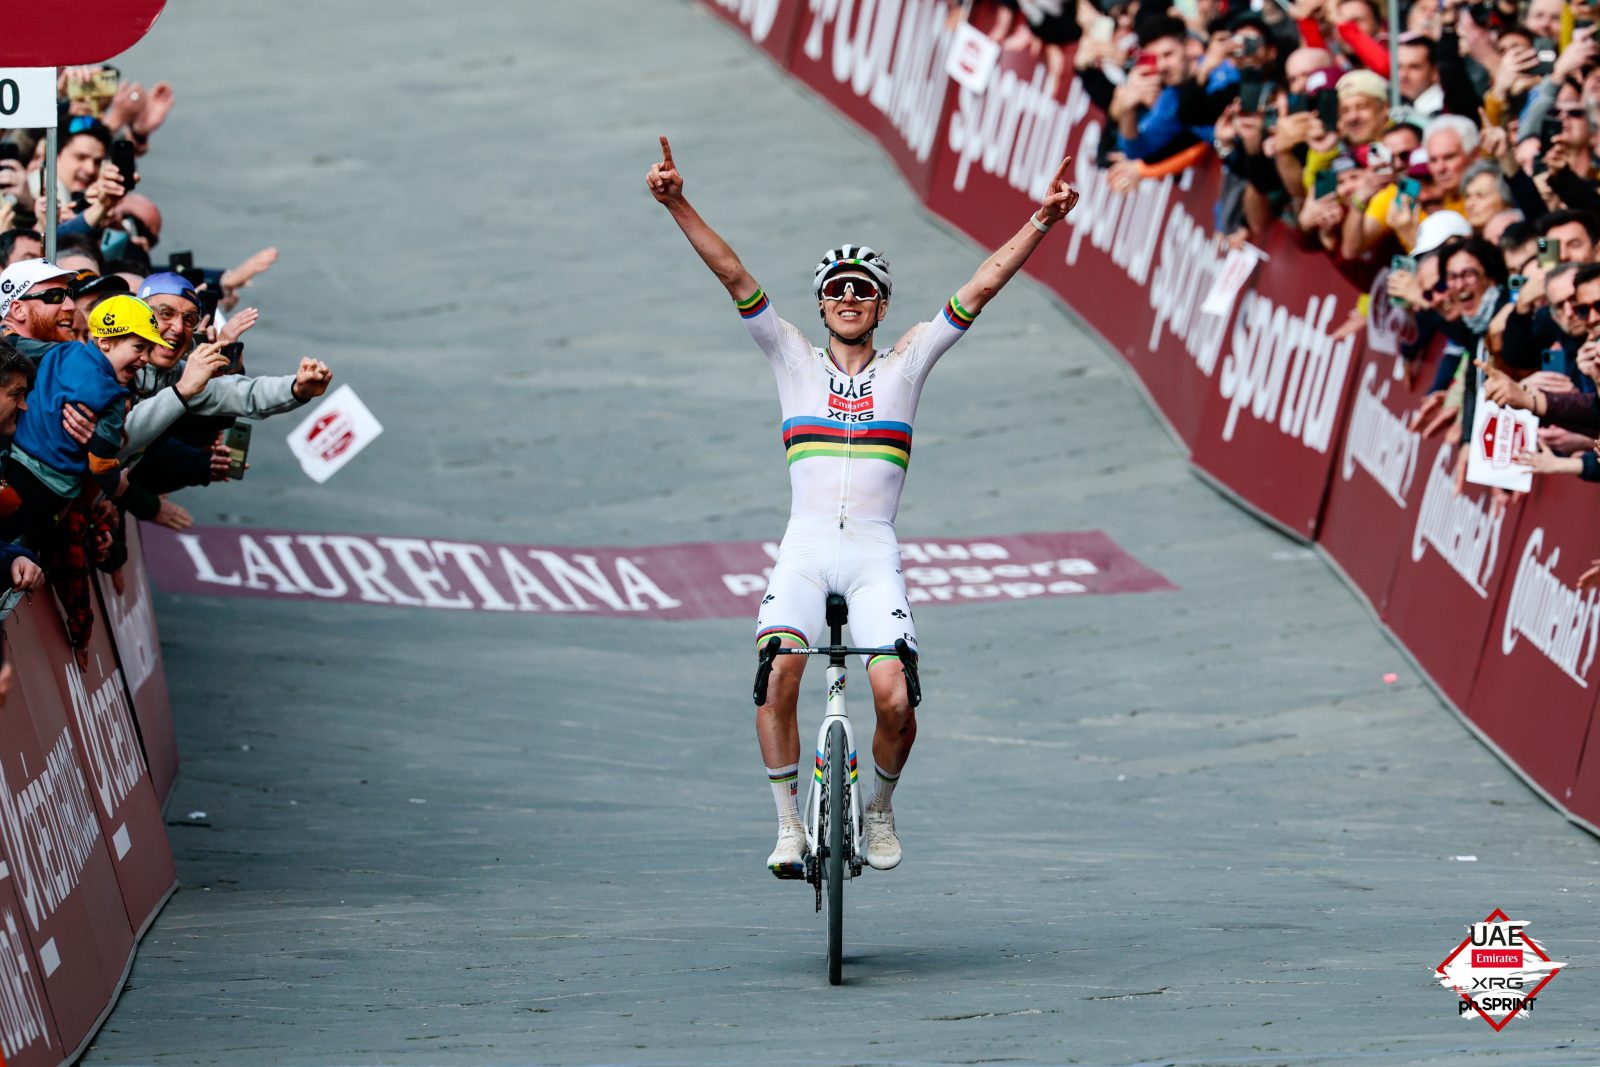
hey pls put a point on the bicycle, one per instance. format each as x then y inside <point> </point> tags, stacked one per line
<point>833,783</point>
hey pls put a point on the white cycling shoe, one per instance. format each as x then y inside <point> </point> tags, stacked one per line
<point>788,859</point>
<point>883,847</point>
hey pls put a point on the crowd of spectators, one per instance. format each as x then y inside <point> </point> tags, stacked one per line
<point>121,375</point>
<point>1470,175</point>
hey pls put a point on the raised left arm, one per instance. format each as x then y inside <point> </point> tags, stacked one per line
<point>1060,198</point>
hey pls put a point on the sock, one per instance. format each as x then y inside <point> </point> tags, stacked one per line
<point>884,792</point>
<point>785,782</point>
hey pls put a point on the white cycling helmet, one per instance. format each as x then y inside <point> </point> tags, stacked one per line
<point>858,257</point>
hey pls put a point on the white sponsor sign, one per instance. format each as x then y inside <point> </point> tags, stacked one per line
<point>332,435</point>
<point>972,58</point>
<point>27,97</point>
<point>1498,434</point>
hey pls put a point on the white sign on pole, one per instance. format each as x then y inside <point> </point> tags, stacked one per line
<point>1498,434</point>
<point>972,58</point>
<point>331,436</point>
<point>27,98</point>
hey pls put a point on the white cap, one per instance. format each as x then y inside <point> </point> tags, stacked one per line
<point>1438,228</point>
<point>18,278</point>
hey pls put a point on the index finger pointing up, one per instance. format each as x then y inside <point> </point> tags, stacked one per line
<point>1061,171</point>
<point>666,151</point>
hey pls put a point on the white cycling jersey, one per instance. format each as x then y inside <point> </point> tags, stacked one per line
<point>848,437</point>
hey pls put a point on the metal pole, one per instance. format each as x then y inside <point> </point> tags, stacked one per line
<point>1394,54</point>
<point>51,147</point>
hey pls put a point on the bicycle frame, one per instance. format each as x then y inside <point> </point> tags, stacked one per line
<point>836,710</point>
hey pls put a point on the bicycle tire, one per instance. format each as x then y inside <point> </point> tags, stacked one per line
<point>834,868</point>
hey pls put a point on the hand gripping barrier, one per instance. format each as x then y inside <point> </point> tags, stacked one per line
<point>1306,429</point>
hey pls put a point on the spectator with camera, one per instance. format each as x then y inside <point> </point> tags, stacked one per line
<point>1160,110</point>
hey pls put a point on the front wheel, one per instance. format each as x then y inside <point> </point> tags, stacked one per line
<point>836,858</point>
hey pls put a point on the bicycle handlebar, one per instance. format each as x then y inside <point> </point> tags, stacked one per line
<point>773,649</point>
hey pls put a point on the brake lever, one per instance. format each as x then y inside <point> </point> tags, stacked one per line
<point>765,657</point>
<point>908,667</point>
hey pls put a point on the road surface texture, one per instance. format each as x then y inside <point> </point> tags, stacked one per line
<point>1192,826</point>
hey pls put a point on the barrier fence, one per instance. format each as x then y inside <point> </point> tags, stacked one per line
<point>87,757</point>
<point>1308,430</point>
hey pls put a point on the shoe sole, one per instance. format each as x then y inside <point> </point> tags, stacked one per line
<point>884,866</point>
<point>788,871</point>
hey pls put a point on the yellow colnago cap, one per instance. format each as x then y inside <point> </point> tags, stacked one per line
<point>122,314</point>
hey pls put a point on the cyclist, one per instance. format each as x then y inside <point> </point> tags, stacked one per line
<point>847,414</point>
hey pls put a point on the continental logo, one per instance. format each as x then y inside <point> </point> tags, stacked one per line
<point>49,830</point>
<point>1559,621</point>
<point>1466,532</point>
<point>1379,441</point>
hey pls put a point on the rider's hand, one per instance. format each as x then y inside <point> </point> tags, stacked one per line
<point>665,183</point>
<point>1061,199</point>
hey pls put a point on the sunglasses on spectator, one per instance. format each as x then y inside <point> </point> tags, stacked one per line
<point>1585,311</point>
<point>1471,274</point>
<point>1570,112</point>
<point>48,296</point>
<point>863,288</point>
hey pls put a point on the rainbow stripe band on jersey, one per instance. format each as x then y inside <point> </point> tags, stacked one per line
<point>958,316</point>
<point>781,631</point>
<point>810,438</point>
<point>753,305</point>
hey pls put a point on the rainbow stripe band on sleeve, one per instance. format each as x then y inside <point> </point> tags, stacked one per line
<point>958,316</point>
<point>781,631</point>
<point>753,305</point>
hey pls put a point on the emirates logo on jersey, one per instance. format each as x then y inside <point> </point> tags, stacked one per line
<point>854,407</point>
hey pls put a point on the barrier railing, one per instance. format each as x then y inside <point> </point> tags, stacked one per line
<point>85,865</point>
<point>1307,430</point>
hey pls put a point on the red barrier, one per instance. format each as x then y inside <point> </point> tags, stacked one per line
<point>770,24</point>
<point>1535,690</point>
<point>132,621</point>
<point>28,1033</point>
<point>882,66</point>
<point>1448,572</point>
<point>1368,519</point>
<point>54,849</point>
<point>95,702</point>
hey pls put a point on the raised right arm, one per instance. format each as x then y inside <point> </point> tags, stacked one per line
<point>666,185</point>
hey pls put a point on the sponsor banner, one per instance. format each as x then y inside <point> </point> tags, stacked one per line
<point>1536,685</point>
<point>1256,392</point>
<point>70,907</point>
<point>28,1034</point>
<point>125,600</point>
<point>770,24</point>
<point>1448,574</point>
<point>1367,521</point>
<point>997,153</point>
<point>96,705</point>
<point>689,581</point>
<point>882,64</point>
